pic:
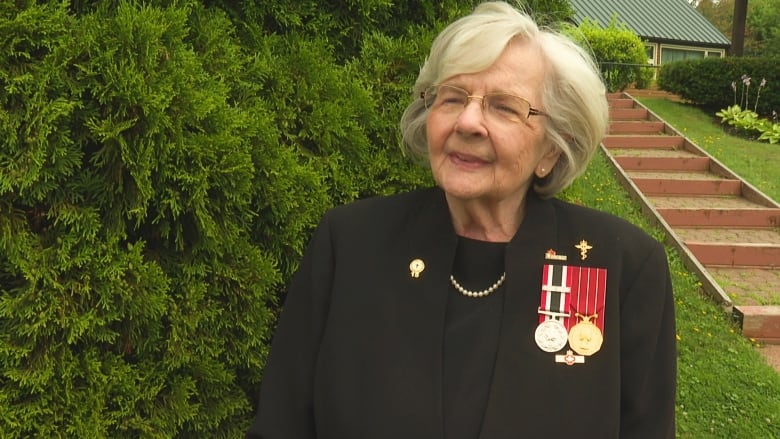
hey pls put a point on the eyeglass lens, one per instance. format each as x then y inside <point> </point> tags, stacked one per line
<point>451,99</point>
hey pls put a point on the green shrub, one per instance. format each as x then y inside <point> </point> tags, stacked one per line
<point>132,301</point>
<point>619,51</point>
<point>162,165</point>
<point>708,82</point>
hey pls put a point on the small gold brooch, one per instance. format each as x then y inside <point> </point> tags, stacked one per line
<point>416,267</point>
<point>583,247</point>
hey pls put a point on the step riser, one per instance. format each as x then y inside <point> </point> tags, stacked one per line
<point>621,103</point>
<point>634,127</point>
<point>664,163</point>
<point>721,218</point>
<point>644,142</point>
<point>652,186</point>
<point>628,114</point>
<point>736,255</point>
<point>761,323</point>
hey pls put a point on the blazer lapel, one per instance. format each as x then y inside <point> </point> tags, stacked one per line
<point>432,241</point>
<point>516,346</point>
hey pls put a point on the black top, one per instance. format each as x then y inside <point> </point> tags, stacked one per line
<point>471,337</point>
<point>359,350</point>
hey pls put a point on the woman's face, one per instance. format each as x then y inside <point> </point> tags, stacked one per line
<point>478,156</point>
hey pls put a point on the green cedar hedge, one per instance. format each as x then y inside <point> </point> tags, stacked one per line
<point>160,171</point>
<point>162,165</point>
<point>133,301</point>
<point>708,82</point>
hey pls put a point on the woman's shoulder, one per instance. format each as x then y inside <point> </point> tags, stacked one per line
<point>611,240</point>
<point>385,204</point>
<point>583,219</point>
<point>384,211</point>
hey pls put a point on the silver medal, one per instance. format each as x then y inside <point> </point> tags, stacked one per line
<point>551,336</point>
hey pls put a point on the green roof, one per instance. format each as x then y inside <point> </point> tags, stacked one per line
<point>667,21</point>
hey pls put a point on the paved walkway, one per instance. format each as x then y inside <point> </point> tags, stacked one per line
<point>723,227</point>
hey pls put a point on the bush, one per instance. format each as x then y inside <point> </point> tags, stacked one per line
<point>708,82</point>
<point>159,180</point>
<point>618,50</point>
<point>161,168</point>
<point>132,301</point>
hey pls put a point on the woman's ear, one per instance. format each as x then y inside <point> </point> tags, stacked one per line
<point>547,162</point>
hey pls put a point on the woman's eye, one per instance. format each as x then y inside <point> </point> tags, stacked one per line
<point>453,99</point>
<point>506,105</point>
<point>508,110</point>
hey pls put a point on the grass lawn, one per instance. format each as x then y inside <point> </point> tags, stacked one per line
<point>756,162</point>
<point>725,387</point>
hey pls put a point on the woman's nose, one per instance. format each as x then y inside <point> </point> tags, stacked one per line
<point>472,118</point>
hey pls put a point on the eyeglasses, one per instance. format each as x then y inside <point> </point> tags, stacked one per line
<point>452,100</point>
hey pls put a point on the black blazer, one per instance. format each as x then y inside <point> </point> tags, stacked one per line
<point>358,350</point>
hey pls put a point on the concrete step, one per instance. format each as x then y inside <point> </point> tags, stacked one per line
<point>674,153</point>
<point>705,203</point>
<point>749,285</point>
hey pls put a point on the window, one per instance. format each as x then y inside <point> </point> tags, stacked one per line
<point>680,53</point>
<point>669,54</point>
<point>650,52</point>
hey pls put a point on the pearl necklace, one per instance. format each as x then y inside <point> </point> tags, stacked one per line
<point>482,293</point>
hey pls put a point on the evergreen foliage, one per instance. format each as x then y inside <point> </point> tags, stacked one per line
<point>162,165</point>
<point>133,302</point>
<point>619,51</point>
<point>717,83</point>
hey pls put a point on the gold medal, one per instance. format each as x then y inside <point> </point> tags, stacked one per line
<point>585,337</point>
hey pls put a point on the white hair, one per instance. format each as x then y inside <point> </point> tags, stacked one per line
<point>573,92</point>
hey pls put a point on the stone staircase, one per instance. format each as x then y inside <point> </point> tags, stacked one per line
<point>726,230</point>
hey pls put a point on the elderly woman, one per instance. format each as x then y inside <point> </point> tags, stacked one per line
<point>482,308</point>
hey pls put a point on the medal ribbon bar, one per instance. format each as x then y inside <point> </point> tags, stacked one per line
<point>556,286</point>
<point>588,294</point>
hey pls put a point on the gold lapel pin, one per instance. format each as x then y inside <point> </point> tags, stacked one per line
<point>583,247</point>
<point>416,267</point>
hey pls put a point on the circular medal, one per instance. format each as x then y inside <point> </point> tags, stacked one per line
<point>585,337</point>
<point>551,336</point>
